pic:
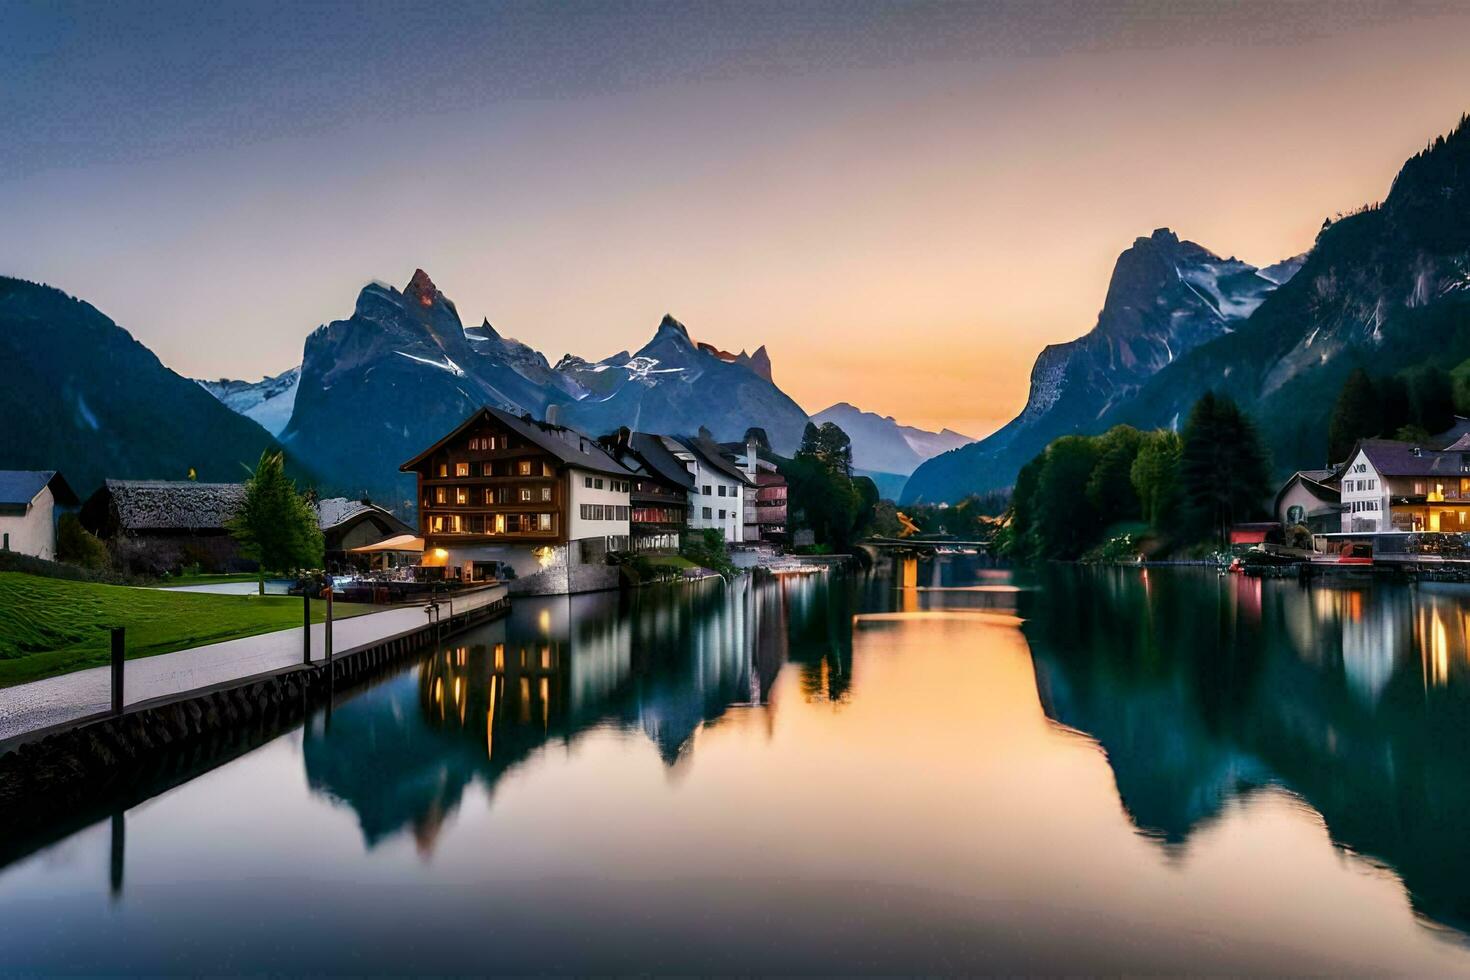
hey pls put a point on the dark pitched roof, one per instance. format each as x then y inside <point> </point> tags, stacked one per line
<point>19,487</point>
<point>1392,458</point>
<point>709,451</point>
<point>335,511</point>
<point>569,446</point>
<point>1315,483</point>
<point>655,457</point>
<point>173,505</point>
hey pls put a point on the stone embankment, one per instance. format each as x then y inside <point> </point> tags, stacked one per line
<point>71,769</point>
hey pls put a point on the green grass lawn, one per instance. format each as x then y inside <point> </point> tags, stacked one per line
<point>53,626</point>
<point>176,580</point>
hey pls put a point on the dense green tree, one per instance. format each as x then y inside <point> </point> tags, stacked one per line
<point>1155,478</point>
<point>1110,485</point>
<point>1223,473</point>
<point>1431,399</point>
<point>829,445</point>
<point>1357,414</point>
<point>1393,405</point>
<point>276,526</point>
<point>1019,541</point>
<point>1460,379</point>
<point>1065,522</point>
<point>822,492</point>
<point>75,545</point>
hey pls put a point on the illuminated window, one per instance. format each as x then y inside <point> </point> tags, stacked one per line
<point>545,493</point>
<point>489,496</point>
<point>440,495</point>
<point>454,526</point>
<point>525,495</point>
<point>524,467</point>
<point>436,523</point>
<point>543,521</point>
<point>499,523</point>
<point>547,470</point>
<point>461,495</point>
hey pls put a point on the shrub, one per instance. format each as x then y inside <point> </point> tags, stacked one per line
<point>75,545</point>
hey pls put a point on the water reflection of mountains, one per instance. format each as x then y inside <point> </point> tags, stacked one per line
<point>1201,688</point>
<point>663,662</point>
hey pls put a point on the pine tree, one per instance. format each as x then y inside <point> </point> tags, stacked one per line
<point>1223,471</point>
<point>1358,414</point>
<point>275,526</point>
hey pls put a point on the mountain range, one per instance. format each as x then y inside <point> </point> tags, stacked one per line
<point>1386,288</point>
<point>403,368</point>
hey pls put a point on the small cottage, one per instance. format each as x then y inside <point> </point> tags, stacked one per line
<point>28,503</point>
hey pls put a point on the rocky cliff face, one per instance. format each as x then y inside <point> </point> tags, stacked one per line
<point>403,370</point>
<point>674,384</point>
<point>1166,297</point>
<point>399,373</point>
<point>1385,288</point>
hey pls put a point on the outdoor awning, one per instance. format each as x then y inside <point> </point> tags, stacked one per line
<point>400,542</point>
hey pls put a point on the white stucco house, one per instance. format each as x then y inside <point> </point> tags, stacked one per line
<point>28,503</point>
<point>1389,485</point>
<point>717,499</point>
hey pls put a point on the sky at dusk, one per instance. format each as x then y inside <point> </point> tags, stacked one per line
<point>904,203</point>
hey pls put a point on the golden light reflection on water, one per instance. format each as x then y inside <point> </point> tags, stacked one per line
<point>1166,772</point>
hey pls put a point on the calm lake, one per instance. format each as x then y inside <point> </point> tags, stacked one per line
<point>929,768</point>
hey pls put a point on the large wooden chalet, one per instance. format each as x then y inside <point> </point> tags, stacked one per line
<point>503,489</point>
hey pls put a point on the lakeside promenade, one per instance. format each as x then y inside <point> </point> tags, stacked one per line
<point>27,708</point>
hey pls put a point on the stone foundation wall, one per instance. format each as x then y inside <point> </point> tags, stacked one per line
<point>48,778</point>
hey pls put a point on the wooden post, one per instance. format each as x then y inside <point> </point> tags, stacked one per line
<point>306,626</point>
<point>117,669</point>
<point>329,624</point>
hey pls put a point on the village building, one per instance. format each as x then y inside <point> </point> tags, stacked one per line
<point>1311,499</point>
<point>157,526</point>
<point>1388,485</point>
<point>661,487</point>
<point>28,503</point>
<point>717,498</point>
<point>764,510</point>
<point>509,490</point>
<point>349,524</point>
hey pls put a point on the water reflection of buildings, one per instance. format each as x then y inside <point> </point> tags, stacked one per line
<point>1200,689</point>
<point>661,662</point>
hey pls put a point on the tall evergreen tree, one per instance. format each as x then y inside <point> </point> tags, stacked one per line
<point>1393,403</point>
<point>1431,399</point>
<point>1358,414</point>
<point>1223,472</point>
<point>275,525</point>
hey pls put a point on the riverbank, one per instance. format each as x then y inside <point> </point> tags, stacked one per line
<point>51,626</point>
<point>61,749</point>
